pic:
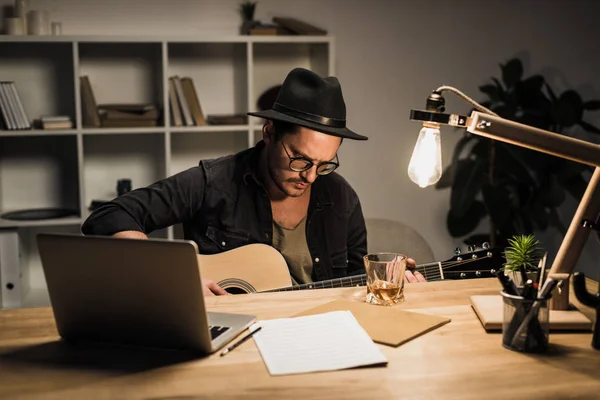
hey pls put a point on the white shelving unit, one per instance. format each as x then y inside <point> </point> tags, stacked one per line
<point>70,168</point>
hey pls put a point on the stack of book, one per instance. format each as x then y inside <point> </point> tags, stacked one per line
<point>114,115</point>
<point>184,102</point>
<point>56,122</point>
<point>128,115</point>
<point>11,108</point>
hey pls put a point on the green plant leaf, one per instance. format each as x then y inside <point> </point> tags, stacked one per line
<point>591,105</point>
<point>589,127</point>
<point>497,203</point>
<point>463,225</point>
<point>512,72</point>
<point>467,183</point>
<point>568,110</point>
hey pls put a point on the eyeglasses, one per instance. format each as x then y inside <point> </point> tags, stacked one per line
<point>301,164</point>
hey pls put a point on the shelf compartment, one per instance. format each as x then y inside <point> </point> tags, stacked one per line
<point>134,68</point>
<point>34,291</point>
<point>43,76</point>
<point>108,158</point>
<point>273,61</point>
<point>38,172</point>
<point>219,73</point>
<point>188,149</point>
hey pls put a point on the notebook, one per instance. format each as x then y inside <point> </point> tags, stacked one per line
<point>400,326</point>
<point>316,343</point>
<point>489,310</point>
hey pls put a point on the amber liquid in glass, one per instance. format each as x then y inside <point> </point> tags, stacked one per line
<point>385,292</point>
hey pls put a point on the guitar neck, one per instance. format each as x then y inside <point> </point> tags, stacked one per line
<point>431,272</point>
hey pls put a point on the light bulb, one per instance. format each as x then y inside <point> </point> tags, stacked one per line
<point>425,166</point>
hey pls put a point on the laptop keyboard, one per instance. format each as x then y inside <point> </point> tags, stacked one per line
<point>216,331</point>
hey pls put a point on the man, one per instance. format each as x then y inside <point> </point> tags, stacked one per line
<point>282,192</point>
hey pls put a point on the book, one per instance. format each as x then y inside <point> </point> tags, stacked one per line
<point>54,118</point>
<point>127,107</point>
<point>174,105</point>
<point>227,119</point>
<point>263,29</point>
<point>7,116</point>
<point>57,125</point>
<point>91,118</point>
<point>193,102</point>
<point>297,27</point>
<point>128,123</point>
<point>185,108</point>
<point>123,113</point>
<point>20,110</point>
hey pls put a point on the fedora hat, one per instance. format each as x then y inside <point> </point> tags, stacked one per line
<point>308,100</point>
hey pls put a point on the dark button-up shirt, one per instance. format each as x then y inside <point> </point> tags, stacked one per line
<point>222,205</point>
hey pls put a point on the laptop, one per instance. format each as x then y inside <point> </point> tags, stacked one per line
<point>132,292</point>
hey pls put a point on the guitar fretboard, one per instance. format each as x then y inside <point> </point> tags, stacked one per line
<point>431,272</point>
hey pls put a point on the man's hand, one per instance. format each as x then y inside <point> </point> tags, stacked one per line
<point>210,288</point>
<point>410,275</point>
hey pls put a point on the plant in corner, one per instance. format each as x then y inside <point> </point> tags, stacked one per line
<point>520,190</point>
<point>247,9</point>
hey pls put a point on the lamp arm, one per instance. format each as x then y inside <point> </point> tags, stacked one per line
<point>504,130</point>
<point>559,145</point>
<point>465,98</point>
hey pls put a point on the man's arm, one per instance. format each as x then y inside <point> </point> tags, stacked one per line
<point>165,203</point>
<point>144,210</point>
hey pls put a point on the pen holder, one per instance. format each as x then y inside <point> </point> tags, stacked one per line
<point>534,338</point>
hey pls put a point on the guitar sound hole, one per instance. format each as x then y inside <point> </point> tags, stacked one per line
<point>235,290</point>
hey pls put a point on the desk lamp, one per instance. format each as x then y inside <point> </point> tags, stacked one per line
<point>425,168</point>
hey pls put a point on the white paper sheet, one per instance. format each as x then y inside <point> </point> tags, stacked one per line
<point>322,342</point>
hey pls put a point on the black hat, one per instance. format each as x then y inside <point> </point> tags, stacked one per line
<point>308,100</point>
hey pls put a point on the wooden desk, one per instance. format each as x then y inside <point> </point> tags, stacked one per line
<point>458,360</point>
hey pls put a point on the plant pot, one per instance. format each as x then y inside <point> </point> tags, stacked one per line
<point>246,26</point>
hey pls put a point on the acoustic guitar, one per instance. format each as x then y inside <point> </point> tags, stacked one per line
<point>261,268</point>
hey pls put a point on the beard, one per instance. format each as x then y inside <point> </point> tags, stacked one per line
<point>287,185</point>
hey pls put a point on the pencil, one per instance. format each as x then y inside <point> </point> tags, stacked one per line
<point>242,340</point>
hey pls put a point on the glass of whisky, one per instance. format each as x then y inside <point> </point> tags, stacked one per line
<point>385,278</point>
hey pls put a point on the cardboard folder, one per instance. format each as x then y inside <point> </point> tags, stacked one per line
<point>385,325</point>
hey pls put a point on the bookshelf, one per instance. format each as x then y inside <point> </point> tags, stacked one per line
<point>69,168</point>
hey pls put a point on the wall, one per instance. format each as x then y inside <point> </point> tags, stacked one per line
<point>390,55</point>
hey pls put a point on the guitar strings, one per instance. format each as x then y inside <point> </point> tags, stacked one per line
<point>445,265</point>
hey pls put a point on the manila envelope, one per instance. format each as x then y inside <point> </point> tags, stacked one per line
<point>385,325</point>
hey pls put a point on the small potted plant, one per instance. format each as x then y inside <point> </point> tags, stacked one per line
<point>522,255</point>
<point>247,9</point>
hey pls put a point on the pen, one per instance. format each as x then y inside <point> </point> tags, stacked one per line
<point>507,284</point>
<point>528,290</point>
<point>242,340</point>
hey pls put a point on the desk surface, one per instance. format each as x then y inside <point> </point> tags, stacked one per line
<point>458,360</point>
